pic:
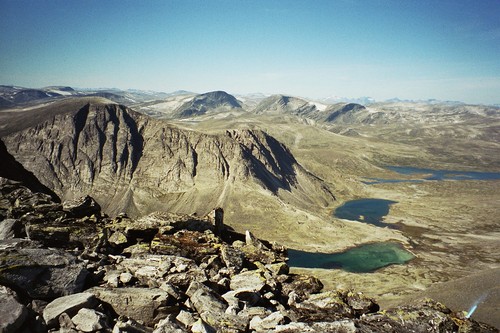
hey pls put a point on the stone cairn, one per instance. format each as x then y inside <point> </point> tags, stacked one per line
<point>69,268</point>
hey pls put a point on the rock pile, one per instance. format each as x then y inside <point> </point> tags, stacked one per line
<point>69,268</point>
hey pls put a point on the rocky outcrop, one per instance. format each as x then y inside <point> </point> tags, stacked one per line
<point>134,164</point>
<point>171,273</point>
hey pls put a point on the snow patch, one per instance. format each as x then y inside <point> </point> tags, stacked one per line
<point>319,106</point>
<point>60,92</point>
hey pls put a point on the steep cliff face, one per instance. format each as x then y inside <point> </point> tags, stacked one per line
<point>136,164</point>
<point>13,170</point>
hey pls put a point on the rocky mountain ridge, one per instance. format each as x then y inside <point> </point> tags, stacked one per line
<point>11,96</point>
<point>187,105</point>
<point>69,268</point>
<point>15,97</point>
<point>134,164</point>
<point>335,116</point>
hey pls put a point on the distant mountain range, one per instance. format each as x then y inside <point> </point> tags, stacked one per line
<point>188,106</point>
<point>15,95</point>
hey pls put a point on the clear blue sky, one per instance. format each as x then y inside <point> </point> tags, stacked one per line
<point>444,49</point>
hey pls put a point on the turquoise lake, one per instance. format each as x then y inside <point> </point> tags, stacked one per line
<point>362,259</point>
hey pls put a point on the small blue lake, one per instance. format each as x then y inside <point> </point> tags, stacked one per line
<point>433,174</point>
<point>371,211</point>
<point>362,259</point>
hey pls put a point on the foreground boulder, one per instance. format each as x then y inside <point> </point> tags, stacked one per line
<point>41,273</point>
<point>70,305</point>
<point>148,305</point>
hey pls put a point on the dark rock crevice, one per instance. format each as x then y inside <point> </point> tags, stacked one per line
<point>136,140</point>
<point>79,122</point>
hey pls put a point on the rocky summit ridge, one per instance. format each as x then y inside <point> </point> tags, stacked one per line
<point>70,268</point>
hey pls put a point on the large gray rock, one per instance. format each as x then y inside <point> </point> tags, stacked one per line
<point>42,273</point>
<point>168,325</point>
<point>252,281</point>
<point>89,320</point>
<point>12,313</point>
<point>344,326</point>
<point>186,318</point>
<point>233,258</point>
<point>201,327</point>
<point>17,201</point>
<point>205,299</point>
<point>212,309</point>
<point>70,305</point>
<point>127,325</point>
<point>269,322</point>
<point>148,305</point>
<point>71,233</point>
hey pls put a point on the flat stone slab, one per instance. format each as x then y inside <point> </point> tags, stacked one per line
<point>70,304</point>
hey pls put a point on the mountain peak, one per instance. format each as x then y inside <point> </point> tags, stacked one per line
<point>277,104</point>
<point>210,102</point>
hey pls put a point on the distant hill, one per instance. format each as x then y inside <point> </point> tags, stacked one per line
<point>277,104</point>
<point>11,95</point>
<point>280,104</point>
<point>211,102</point>
<point>343,112</point>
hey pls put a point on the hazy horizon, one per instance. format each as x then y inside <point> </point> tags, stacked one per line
<point>446,50</point>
